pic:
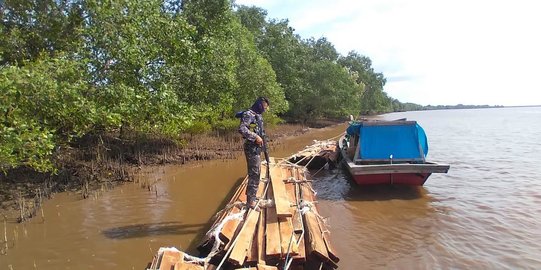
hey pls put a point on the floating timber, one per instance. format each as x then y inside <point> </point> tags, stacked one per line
<point>317,155</point>
<point>285,231</point>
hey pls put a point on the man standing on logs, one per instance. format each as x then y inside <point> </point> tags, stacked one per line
<point>251,128</point>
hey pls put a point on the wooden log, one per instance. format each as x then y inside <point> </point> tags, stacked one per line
<point>313,236</point>
<point>330,248</point>
<point>261,188</point>
<point>154,264</point>
<point>266,267</point>
<point>245,237</point>
<point>332,154</point>
<point>287,237</point>
<point>314,239</point>
<point>286,223</point>
<point>261,238</point>
<point>310,196</point>
<point>272,231</point>
<point>291,189</point>
<point>252,255</point>
<point>168,259</point>
<point>301,253</point>
<point>316,233</point>
<point>281,199</point>
<point>181,265</point>
<point>231,227</point>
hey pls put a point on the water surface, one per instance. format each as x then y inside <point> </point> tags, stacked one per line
<point>484,214</point>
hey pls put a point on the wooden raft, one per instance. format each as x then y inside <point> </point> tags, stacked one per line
<point>288,233</point>
<point>317,155</point>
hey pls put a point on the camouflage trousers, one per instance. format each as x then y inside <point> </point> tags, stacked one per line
<point>253,162</point>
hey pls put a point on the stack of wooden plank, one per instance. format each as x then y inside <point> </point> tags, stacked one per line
<point>317,155</point>
<point>286,234</point>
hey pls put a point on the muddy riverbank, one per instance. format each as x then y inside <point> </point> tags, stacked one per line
<point>97,163</point>
<point>123,227</point>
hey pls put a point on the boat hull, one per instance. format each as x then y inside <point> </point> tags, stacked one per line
<point>411,179</point>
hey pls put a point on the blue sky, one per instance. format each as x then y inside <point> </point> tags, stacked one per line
<point>432,52</point>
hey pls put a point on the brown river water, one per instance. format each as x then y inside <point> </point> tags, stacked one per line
<point>484,214</point>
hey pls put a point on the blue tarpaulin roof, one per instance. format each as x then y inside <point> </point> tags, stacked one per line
<point>404,140</point>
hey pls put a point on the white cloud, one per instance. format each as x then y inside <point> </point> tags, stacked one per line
<point>433,52</point>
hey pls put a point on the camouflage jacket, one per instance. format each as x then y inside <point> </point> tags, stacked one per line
<point>249,127</point>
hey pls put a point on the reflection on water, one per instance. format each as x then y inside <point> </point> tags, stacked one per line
<point>144,230</point>
<point>337,184</point>
<point>375,225</point>
<point>483,214</point>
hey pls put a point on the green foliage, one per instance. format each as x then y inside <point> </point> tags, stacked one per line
<point>31,28</point>
<point>373,100</point>
<point>316,80</point>
<point>226,125</point>
<point>330,90</point>
<point>25,144</point>
<point>271,120</point>
<point>253,19</point>
<point>211,83</point>
<point>255,75</point>
<point>39,100</point>
<point>162,68</point>
<point>136,52</point>
<point>198,127</point>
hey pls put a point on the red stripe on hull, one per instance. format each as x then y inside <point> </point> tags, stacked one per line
<point>413,179</point>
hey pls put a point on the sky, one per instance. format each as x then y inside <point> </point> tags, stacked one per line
<point>432,52</point>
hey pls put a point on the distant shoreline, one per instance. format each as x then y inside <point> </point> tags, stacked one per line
<point>461,106</point>
<point>521,106</point>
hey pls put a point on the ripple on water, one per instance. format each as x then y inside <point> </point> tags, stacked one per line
<point>483,214</point>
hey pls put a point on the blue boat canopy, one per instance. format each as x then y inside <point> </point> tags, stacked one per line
<point>386,140</point>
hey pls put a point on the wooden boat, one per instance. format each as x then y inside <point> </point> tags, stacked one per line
<point>387,152</point>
